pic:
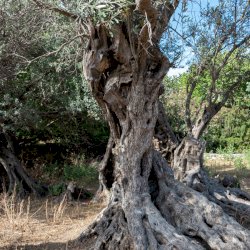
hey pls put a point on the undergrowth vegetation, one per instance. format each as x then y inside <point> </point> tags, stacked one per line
<point>83,173</point>
<point>31,220</point>
<point>237,165</point>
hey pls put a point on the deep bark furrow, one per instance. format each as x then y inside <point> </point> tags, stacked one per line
<point>147,208</point>
<point>188,168</point>
<point>194,215</point>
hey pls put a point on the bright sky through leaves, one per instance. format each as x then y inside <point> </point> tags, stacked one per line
<point>193,11</point>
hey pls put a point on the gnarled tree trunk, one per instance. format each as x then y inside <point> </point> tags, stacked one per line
<point>188,160</point>
<point>169,216</point>
<point>147,208</point>
<point>188,168</point>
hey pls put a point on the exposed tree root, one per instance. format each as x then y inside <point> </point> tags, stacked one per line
<point>234,201</point>
<point>197,217</point>
<point>188,168</point>
<point>111,231</point>
<point>18,178</point>
<point>176,218</point>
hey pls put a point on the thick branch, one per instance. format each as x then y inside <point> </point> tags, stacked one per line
<point>56,9</point>
<point>156,22</point>
<point>228,55</point>
<point>212,109</point>
<point>189,89</point>
<point>55,52</point>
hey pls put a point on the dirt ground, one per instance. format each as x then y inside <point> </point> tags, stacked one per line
<point>24,224</point>
<point>219,166</point>
<point>52,223</point>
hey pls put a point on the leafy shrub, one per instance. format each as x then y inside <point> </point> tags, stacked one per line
<point>229,129</point>
<point>247,158</point>
<point>227,152</point>
<point>57,189</point>
<point>79,172</point>
<point>52,169</point>
<point>239,164</point>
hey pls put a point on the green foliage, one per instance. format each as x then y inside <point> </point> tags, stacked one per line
<point>174,102</point>
<point>230,149</point>
<point>239,164</point>
<point>104,12</point>
<point>231,126</point>
<point>45,99</point>
<point>230,129</point>
<point>79,173</point>
<point>57,189</point>
<point>52,169</point>
<point>226,152</point>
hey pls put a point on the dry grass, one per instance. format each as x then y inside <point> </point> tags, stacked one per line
<point>33,221</point>
<point>226,165</point>
<point>57,211</point>
<point>16,212</point>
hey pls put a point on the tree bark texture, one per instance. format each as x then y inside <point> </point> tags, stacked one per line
<point>188,160</point>
<point>165,140</point>
<point>19,180</point>
<point>188,168</point>
<point>173,216</point>
<point>147,208</point>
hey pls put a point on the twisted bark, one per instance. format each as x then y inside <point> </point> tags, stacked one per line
<point>19,180</point>
<point>188,168</point>
<point>147,208</point>
<point>172,216</point>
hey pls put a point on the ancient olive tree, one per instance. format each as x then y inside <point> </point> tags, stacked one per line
<point>205,97</point>
<point>124,66</point>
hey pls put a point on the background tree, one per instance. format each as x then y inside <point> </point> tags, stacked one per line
<point>13,41</point>
<point>43,96</point>
<point>229,129</point>
<point>218,37</point>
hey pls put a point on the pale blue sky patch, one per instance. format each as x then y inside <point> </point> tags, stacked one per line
<point>193,11</point>
<point>177,71</point>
